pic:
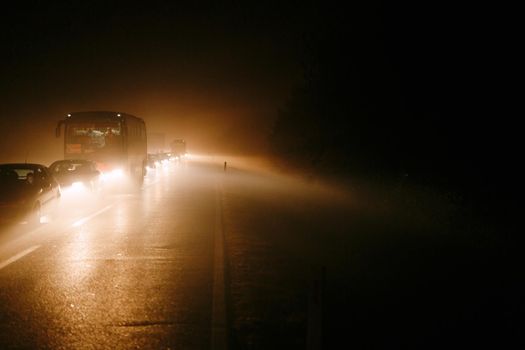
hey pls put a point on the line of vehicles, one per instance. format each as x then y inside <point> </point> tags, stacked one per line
<point>100,148</point>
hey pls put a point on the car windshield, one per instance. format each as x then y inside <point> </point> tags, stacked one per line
<point>90,137</point>
<point>70,168</point>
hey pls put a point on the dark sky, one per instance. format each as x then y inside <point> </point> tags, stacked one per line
<point>213,74</point>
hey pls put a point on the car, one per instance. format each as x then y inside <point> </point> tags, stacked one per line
<point>28,192</point>
<point>76,172</point>
<point>152,161</point>
<point>164,157</point>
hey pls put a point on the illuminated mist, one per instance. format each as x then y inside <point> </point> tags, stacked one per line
<point>188,74</point>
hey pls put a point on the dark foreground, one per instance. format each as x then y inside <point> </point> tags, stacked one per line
<point>405,270</point>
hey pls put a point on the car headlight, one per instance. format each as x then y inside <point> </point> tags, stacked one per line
<point>113,174</point>
<point>77,185</point>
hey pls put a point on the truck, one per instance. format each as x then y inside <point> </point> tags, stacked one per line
<point>156,142</point>
<point>178,148</point>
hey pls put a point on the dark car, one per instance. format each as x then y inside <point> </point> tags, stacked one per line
<point>27,192</point>
<point>71,172</point>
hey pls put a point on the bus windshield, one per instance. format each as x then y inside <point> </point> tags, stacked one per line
<point>93,137</point>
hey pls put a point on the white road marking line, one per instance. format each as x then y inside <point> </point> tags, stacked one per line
<point>18,256</point>
<point>77,223</point>
<point>80,222</point>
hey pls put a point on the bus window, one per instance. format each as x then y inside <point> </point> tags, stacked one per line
<point>86,138</point>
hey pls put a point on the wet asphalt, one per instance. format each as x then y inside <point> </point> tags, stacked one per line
<point>118,270</point>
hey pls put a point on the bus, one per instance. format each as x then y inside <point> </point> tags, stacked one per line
<point>115,141</point>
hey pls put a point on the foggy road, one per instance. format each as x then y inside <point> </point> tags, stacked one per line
<point>350,176</point>
<point>126,270</point>
<point>203,257</point>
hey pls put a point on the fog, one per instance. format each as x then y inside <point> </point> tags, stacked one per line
<point>30,136</point>
<point>366,94</point>
<point>209,119</point>
<point>248,177</point>
<point>370,139</point>
<point>189,74</point>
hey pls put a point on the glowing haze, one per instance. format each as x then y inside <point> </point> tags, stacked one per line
<point>188,74</point>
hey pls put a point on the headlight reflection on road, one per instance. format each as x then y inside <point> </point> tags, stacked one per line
<point>81,221</point>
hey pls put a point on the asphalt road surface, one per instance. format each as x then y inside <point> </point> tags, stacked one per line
<point>123,270</point>
<point>209,257</point>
